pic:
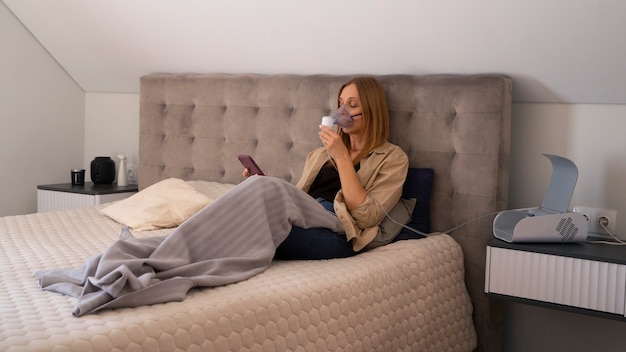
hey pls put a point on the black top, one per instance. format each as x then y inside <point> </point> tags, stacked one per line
<point>89,188</point>
<point>327,183</point>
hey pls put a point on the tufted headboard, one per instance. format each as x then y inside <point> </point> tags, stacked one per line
<point>193,126</point>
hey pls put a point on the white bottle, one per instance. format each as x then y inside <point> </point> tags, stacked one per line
<point>122,177</point>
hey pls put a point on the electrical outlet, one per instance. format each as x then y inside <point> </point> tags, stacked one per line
<point>131,171</point>
<point>593,216</point>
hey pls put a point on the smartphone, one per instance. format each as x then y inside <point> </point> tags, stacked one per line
<point>250,164</point>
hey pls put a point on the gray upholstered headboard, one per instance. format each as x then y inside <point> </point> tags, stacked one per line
<point>193,126</point>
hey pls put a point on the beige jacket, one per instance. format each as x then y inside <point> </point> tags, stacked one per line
<point>382,174</point>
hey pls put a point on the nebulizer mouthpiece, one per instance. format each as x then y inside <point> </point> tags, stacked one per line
<point>342,118</point>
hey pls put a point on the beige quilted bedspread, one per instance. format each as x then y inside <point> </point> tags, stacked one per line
<point>407,296</point>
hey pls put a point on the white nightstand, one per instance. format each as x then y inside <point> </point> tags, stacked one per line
<point>580,277</point>
<point>65,196</point>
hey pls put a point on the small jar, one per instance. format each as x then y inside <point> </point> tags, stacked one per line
<point>102,170</point>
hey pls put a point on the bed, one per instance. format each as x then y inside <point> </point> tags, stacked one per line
<point>411,295</point>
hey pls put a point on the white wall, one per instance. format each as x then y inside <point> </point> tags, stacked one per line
<point>591,135</point>
<point>557,50</point>
<point>41,118</point>
<point>111,127</point>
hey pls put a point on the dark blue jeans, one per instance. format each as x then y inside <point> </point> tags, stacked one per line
<point>314,243</point>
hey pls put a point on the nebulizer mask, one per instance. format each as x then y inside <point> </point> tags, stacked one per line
<point>342,118</point>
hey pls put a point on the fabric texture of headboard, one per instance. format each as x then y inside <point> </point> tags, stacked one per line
<point>193,126</point>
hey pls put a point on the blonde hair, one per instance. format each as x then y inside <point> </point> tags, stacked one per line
<point>375,114</point>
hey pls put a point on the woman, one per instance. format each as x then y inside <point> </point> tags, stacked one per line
<point>357,175</point>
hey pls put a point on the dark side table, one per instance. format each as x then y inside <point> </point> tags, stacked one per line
<point>582,277</point>
<point>66,196</point>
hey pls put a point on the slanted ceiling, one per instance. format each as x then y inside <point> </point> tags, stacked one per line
<point>556,51</point>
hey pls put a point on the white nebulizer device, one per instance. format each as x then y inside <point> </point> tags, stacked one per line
<point>328,121</point>
<point>342,118</point>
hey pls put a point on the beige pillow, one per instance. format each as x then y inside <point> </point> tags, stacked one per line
<point>165,204</point>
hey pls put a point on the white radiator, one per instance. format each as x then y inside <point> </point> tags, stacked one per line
<point>55,200</point>
<point>582,283</point>
<point>52,200</point>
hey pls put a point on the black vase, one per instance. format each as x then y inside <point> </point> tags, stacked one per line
<point>102,170</point>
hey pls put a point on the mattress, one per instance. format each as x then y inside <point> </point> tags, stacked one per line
<point>406,296</point>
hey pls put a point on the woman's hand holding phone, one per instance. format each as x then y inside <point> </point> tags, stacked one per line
<point>251,167</point>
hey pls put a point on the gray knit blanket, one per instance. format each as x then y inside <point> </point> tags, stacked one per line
<point>231,239</point>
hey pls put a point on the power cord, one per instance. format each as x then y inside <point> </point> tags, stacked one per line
<point>433,233</point>
<point>603,221</point>
<point>399,223</point>
<point>468,221</point>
